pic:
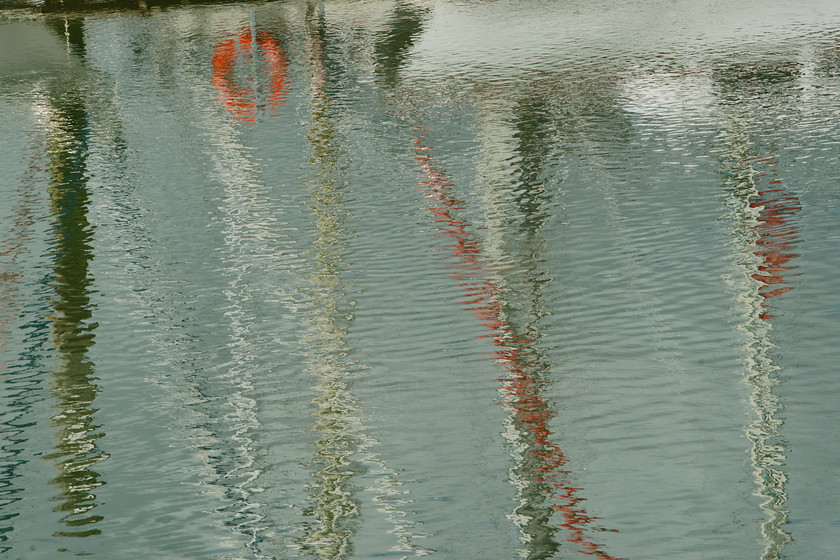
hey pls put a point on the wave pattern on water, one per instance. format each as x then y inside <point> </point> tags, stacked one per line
<point>762,210</point>
<point>229,330</point>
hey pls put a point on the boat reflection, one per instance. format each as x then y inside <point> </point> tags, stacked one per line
<point>541,476</point>
<point>73,382</point>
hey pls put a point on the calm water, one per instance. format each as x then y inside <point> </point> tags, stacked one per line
<point>465,280</point>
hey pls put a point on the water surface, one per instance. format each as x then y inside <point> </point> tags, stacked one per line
<point>393,279</point>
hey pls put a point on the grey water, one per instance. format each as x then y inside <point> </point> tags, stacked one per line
<point>390,279</point>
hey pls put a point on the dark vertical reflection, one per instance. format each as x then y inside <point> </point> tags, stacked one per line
<point>337,416</point>
<point>761,210</point>
<point>393,45</point>
<point>72,29</point>
<point>509,305</point>
<point>73,382</point>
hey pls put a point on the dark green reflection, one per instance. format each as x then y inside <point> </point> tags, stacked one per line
<point>73,383</point>
<point>392,46</point>
<point>71,29</point>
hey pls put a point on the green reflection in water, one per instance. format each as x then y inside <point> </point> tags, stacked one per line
<point>393,45</point>
<point>73,382</point>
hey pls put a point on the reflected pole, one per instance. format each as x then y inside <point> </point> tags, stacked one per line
<point>73,383</point>
<point>760,210</point>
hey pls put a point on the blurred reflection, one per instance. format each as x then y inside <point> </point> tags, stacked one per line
<point>343,440</point>
<point>760,210</point>
<point>73,383</point>
<point>511,315</point>
<point>338,416</point>
<point>92,6</point>
<point>250,73</point>
<point>392,46</point>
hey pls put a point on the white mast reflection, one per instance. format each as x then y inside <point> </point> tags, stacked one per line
<point>344,448</point>
<point>747,212</point>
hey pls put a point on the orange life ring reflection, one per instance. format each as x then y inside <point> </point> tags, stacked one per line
<point>235,61</point>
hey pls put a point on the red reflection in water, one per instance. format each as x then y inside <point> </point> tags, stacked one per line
<point>474,270</point>
<point>238,52</point>
<point>776,236</point>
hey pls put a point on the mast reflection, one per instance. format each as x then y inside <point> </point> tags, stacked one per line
<point>345,450</point>
<point>337,424</point>
<point>540,474</point>
<point>73,383</point>
<point>761,209</point>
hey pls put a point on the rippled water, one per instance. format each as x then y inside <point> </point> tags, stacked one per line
<point>393,279</point>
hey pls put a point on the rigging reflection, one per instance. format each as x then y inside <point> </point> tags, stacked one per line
<point>249,76</point>
<point>73,383</point>
<point>541,475</point>
<point>761,207</point>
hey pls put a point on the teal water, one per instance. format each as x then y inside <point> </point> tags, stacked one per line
<point>374,279</point>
